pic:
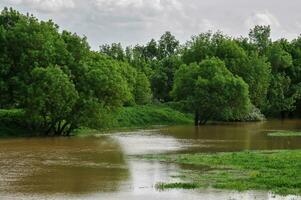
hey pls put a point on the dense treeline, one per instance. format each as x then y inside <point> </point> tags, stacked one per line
<point>61,84</point>
<point>219,77</point>
<point>57,80</point>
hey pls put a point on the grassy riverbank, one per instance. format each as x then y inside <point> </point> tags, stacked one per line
<point>276,171</point>
<point>12,121</point>
<point>144,116</point>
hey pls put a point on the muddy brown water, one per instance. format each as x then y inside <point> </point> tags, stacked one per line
<point>102,167</point>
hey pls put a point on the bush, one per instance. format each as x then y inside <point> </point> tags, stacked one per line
<point>253,116</point>
<point>12,123</point>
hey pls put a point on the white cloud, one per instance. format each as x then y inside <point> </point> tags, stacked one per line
<point>262,18</point>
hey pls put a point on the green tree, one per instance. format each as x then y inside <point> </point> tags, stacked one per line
<point>163,78</point>
<point>282,97</point>
<point>198,48</point>
<point>28,43</point>
<point>114,50</point>
<point>280,59</point>
<point>284,91</point>
<point>151,50</point>
<point>211,91</point>
<point>104,80</point>
<point>142,91</point>
<point>260,37</point>
<point>256,72</point>
<point>50,101</point>
<point>168,45</point>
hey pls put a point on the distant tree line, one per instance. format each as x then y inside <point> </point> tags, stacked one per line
<point>61,84</point>
<point>219,77</point>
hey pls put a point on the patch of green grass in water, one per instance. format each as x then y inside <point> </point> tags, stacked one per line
<point>285,134</point>
<point>187,186</point>
<point>276,171</point>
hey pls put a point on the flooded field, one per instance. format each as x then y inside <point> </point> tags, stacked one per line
<point>103,167</point>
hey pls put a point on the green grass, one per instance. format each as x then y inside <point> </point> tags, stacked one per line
<point>284,134</point>
<point>144,116</point>
<point>187,186</point>
<point>276,171</point>
<point>133,117</point>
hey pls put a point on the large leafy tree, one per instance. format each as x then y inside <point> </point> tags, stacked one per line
<point>50,101</point>
<point>211,91</point>
<point>250,66</point>
<point>28,43</point>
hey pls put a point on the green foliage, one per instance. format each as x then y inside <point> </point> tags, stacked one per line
<point>142,91</point>
<point>212,91</point>
<point>61,84</point>
<point>276,171</point>
<point>143,116</point>
<point>166,186</point>
<point>281,96</point>
<point>256,73</point>
<point>115,51</point>
<point>254,115</point>
<point>163,78</point>
<point>106,82</point>
<point>260,37</point>
<point>58,80</point>
<point>12,123</point>
<point>168,45</point>
<point>50,100</point>
<point>279,58</point>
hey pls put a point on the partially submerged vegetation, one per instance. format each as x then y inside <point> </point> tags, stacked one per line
<point>13,122</point>
<point>284,134</point>
<point>186,186</point>
<point>276,171</point>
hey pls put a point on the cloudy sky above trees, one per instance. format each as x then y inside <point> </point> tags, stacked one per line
<point>137,21</point>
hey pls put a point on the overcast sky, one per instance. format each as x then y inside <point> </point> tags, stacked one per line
<point>137,21</point>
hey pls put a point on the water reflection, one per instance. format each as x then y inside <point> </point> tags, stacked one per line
<point>235,136</point>
<point>60,165</point>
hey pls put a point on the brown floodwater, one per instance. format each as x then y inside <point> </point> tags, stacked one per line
<point>101,167</point>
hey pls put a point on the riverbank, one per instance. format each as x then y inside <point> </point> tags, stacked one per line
<point>126,118</point>
<point>276,171</point>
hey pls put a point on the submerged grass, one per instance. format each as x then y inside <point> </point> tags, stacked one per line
<point>187,186</point>
<point>276,171</point>
<point>284,134</point>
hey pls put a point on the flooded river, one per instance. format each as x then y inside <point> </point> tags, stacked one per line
<point>103,167</point>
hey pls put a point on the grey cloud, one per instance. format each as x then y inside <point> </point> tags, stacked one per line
<point>137,21</point>
<point>45,5</point>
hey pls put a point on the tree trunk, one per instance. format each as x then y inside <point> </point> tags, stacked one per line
<point>282,114</point>
<point>196,118</point>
